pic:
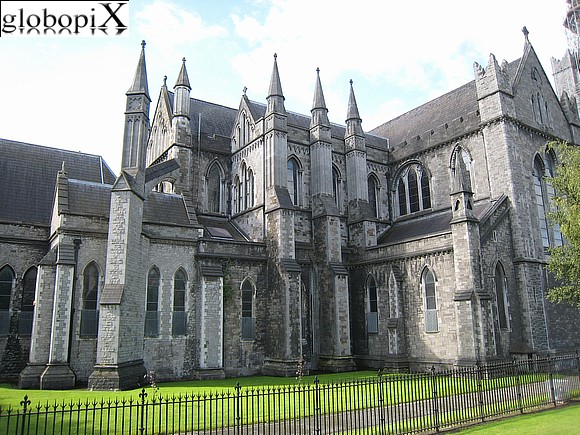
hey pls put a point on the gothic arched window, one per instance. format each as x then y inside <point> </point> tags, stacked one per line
<point>373,188</point>
<point>501,296</point>
<point>235,195</point>
<point>541,200</point>
<point>6,282</point>
<point>214,189</point>
<point>179,325</point>
<point>558,240</point>
<point>152,303</point>
<point>294,181</point>
<point>372,306</point>
<point>336,186</point>
<point>250,191</point>
<point>27,307</point>
<point>90,313</point>
<point>248,320</point>
<point>413,190</point>
<point>429,291</point>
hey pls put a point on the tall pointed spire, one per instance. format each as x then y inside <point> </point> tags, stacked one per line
<point>318,102</point>
<point>275,94</point>
<point>139,85</point>
<point>275,85</point>
<point>182,78</point>
<point>352,112</point>
<point>319,110</point>
<point>353,119</point>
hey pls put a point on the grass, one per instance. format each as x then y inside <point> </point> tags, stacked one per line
<point>262,399</point>
<point>564,420</point>
<point>12,396</point>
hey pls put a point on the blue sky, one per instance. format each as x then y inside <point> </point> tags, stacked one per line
<point>69,92</point>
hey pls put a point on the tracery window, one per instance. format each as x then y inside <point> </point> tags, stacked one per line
<point>179,320</point>
<point>27,307</point>
<point>413,190</point>
<point>152,303</point>
<point>373,188</point>
<point>501,296</point>
<point>429,291</point>
<point>248,320</point>
<point>372,306</point>
<point>557,238</point>
<point>235,195</point>
<point>541,200</point>
<point>214,189</point>
<point>336,186</point>
<point>294,187</point>
<point>90,313</point>
<point>6,281</point>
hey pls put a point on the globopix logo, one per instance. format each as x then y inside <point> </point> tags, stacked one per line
<point>64,18</point>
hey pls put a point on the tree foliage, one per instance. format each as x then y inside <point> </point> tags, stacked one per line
<point>565,260</point>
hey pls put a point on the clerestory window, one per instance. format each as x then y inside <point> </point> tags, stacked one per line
<point>413,190</point>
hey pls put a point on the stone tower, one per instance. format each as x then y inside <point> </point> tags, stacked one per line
<point>283,270</point>
<point>510,175</point>
<point>471,302</point>
<point>119,362</point>
<point>332,276</point>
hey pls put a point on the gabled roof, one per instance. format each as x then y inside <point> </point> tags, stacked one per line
<point>28,178</point>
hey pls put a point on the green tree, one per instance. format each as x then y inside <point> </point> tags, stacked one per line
<point>565,260</point>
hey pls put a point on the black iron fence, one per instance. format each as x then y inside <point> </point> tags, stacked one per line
<point>384,404</point>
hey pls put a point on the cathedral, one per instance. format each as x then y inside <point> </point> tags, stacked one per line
<point>255,240</point>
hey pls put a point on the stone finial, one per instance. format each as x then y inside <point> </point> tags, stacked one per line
<point>526,33</point>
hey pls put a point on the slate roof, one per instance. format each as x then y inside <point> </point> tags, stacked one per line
<point>215,118</point>
<point>431,224</point>
<point>28,178</point>
<point>164,208</point>
<point>303,121</point>
<point>417,121</point>
<point>89,199</point>
<point>437,112</point>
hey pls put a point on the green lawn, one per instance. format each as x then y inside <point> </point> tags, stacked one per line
<point>564,420</point>
<point>262,399</point>
<point>11,396</point>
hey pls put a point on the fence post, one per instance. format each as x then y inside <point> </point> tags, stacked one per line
<point>382,424</point>
<point>24,403</point>
<point>238,409</point>
<point>551,379</point>
<point>435,400</point>
<point>578,364</point>
<point>479,374</point>
<point>518,385</point>
<point>142,396</point>
<point>317,410</point>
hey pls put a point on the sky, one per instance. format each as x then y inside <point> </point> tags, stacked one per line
<point>69,91</point>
